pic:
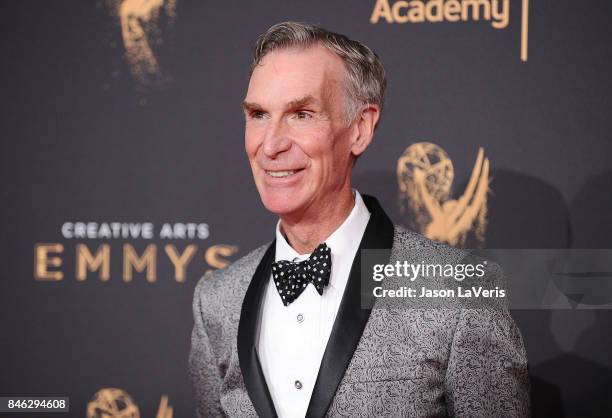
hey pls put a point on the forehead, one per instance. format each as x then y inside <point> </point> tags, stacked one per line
<point>285,74</point>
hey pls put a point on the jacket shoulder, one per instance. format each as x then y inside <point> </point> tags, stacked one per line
<point>407,241</point>
<point>414,247</point>
<point>224,289</point>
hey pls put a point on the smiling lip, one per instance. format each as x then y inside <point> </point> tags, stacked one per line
<point>281,174</point>
<point>283,177</point>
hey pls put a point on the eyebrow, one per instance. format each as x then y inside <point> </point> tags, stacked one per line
<point>293,104</point>
<point>303,101</point>
<point>250,107</point>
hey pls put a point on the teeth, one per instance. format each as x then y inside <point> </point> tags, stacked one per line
<point>279,174</point>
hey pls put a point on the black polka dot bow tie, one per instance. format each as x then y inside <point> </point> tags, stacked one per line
<point>291,278</point>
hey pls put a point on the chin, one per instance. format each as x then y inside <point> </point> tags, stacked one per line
<point>280,203</point>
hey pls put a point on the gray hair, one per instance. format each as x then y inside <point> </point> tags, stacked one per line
<point>365,76</point>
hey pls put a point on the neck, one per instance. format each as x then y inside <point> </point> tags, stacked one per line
<point>307,232</point>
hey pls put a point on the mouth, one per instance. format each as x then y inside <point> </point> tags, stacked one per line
<point>281,174</point>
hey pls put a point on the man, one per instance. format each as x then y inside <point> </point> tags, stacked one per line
<point>282,332</point>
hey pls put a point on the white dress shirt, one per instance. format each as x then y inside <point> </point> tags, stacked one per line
<point>292,339</point>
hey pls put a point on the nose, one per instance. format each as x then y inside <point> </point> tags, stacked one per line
<point>276,139</point>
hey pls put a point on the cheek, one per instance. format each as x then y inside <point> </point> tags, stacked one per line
<point>340,152</point>
<point>325,162</point>
<point>251,143</point>
<point>316,141</point>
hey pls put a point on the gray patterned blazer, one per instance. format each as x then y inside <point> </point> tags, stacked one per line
<point>380,362</point>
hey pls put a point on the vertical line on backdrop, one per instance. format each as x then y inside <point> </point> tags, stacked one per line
<point>524,30</point>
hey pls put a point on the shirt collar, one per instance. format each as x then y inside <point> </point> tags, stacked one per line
<point>343,241</point>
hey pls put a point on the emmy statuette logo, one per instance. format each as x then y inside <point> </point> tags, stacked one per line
<point>115,403</point>
<point>425,176</point>
<point>144,26</point>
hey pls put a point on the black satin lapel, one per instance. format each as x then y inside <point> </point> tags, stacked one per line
<point>252,373</point>
<point>351,318</point>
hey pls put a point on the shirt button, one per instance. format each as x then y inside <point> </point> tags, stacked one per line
<point>298,384</point>
<point>300,318</point>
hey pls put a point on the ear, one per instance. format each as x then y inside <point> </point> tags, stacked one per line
<point>365,122</point>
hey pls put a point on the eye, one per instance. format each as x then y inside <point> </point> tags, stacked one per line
<point>257,114</point>
<point>303,115</point>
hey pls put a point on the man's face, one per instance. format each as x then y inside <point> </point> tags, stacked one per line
<point>296,135</point>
